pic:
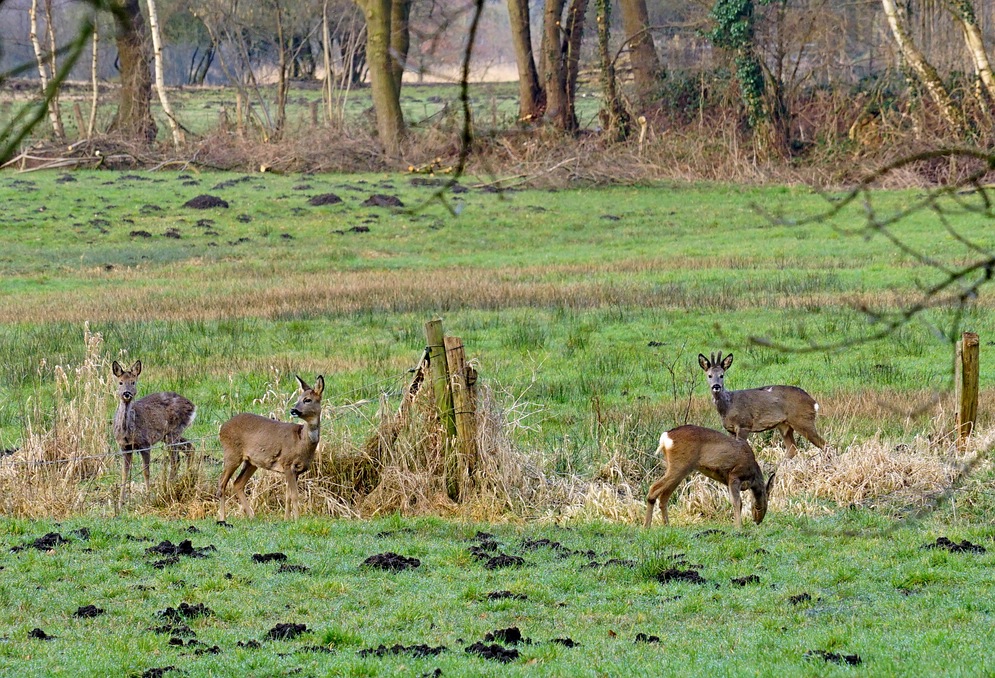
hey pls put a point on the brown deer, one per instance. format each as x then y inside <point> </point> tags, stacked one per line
<point>786,408</point>
<point>140,424</point>
<point>723,458</point>
<point>279,446</point>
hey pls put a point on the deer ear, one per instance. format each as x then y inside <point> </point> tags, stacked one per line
<point>116,368</point>
<point>727,362</point>
<point>303,383</point>
<point>703,361</point>
<point>770,483</point>
<point>319,385</point>
<point>137,367</point>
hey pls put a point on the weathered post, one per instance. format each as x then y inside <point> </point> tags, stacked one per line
<point>438,370</point>
<point>462,379</point>
<point>967,386</point>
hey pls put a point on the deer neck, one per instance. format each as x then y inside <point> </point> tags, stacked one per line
<point>124,416</point>
<point>311,431</point>
<point>722,400</point>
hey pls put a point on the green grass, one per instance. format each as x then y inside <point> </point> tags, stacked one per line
<point>562,297</point>
<point>872,591</point>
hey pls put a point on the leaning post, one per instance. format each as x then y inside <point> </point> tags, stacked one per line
<point>967,386</point>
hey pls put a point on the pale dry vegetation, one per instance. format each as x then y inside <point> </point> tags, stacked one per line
<point>394,462</point>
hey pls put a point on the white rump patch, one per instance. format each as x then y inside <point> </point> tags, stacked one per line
<point>666,442</point>
<point>817,407</point>
<point>770,389</point>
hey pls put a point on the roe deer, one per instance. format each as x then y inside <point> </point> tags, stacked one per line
<point>786,408</point>
<point>140,424</point>
<point>279,446</point>
<point>712,453</point>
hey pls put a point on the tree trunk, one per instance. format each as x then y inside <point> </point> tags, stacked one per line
<point>576,15</point>
<point>963,11</point>
<point>925,71</point>
<point>386,97</point>
<point>92,123</point>
<point>400,39</point>
<point>134,114</point>
<point>530,94</point>
<point>647,72</point>
<point>160,79</point>
<point>282,67</point>
<point>326,53</point>
<point>53,109</point>
<point>615,120</point>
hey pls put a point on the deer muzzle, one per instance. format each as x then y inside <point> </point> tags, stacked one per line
<point>295,412</point>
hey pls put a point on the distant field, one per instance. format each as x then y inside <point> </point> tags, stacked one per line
<point>582,309</point>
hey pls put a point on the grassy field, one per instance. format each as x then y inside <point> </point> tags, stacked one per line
<point>583,311</point>
<point>852,594</point>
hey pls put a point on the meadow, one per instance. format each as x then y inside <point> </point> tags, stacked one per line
<point>583,310</point>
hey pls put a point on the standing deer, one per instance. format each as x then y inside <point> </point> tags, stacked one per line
<point>279,446</point>
<point>723,458</point>
<point>786,408</point>
<point>140,424</point>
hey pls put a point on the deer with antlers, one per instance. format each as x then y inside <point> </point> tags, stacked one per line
<point>786,408</point>
<point>283,447</point>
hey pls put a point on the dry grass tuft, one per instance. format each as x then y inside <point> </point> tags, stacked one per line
<point>68,465</point>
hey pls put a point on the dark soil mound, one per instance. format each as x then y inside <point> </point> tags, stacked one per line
<point>501,595</point>
<point>38,634</point>
<point>566,642</point>
<point>184,548</point>
<point>743,581</point>
<point>504,560</point>
<point>495,652</point>
<point>381,200</point>
<point>416,651</point>
<point>140,234</point>
<point>88,611</point>
<point>952,546</point>
<point>205,202</point>
<point>391,561</point>
<point>324,199</point>
<point>185,611</point>
<point>834,657</point>
<point>173,629</point>
<point>82,533</point>
<point>800,598</point>
<point>249,644</point>
<point>673,574</point>
<point>267,557</point>
<point>292,568</point>
<point>508,636</point>
<point>158,672</point>
<point>46,543</point>
<point>286,631</point>
<point>643,638</point>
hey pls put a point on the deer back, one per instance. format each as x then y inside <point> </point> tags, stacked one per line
<point>713,453</point>
<point>146,421</point>
<point>267,443</point>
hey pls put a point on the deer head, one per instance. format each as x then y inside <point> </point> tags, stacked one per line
<point>715,370</point>
<point>127,384</point>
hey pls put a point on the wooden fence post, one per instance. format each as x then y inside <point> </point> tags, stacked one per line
<point>967,386</point>
<point>462,379</point>
<point>439,371</point>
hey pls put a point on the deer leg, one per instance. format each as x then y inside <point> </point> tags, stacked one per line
<point>737,501</point>
<point>226,474</point>
<point>813,436</point>
<point>243,477</point>
<point>291,495</point>
<point>662,489</point>
<point>146,462</point>
<point>126,478</point>
<point>174,461</point>
<point>789,439</point>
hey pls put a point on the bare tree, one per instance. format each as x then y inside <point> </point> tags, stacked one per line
<point>384,85</point>
<point>963,12</point>
<point>160,80</point>
<point>134,113</point>
<point>531,96</point>
<point>925,72</point>
<point>44,74</point>
<point>646,68</point>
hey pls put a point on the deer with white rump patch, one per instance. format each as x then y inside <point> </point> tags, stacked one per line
<point>284,447</point>
<point>786,408</point>
<point>140,424</point>
<point>716,455</point>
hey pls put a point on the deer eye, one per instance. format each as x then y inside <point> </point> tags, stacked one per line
<point>307,400</point>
